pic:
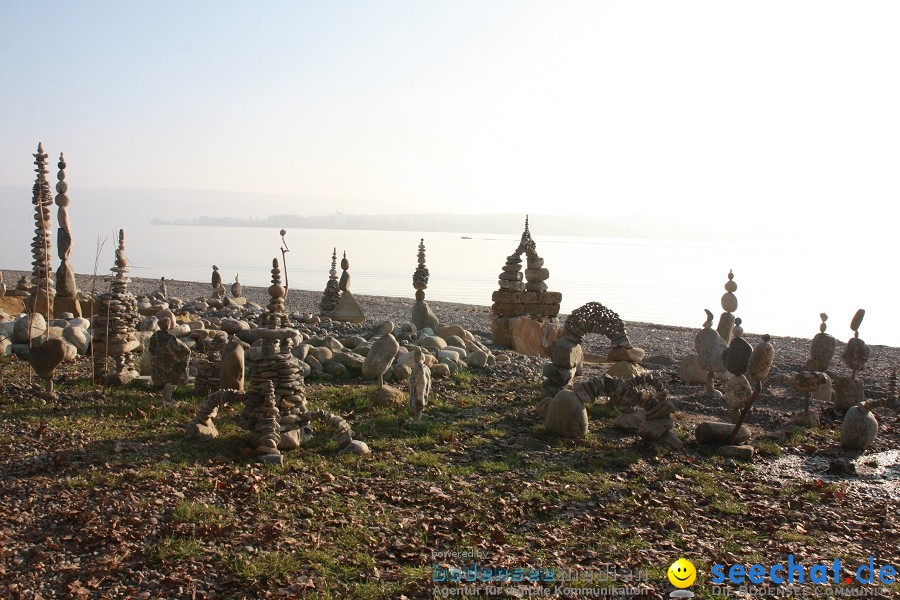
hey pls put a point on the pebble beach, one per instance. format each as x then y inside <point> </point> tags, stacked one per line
<point>664,345</point>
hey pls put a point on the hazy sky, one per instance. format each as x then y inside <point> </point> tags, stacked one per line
<point>741,113</point>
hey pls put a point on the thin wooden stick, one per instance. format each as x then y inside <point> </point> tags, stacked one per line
<point>284,251</point>
<point>99,246</point>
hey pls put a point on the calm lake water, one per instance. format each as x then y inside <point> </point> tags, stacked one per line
<point>782,288</point>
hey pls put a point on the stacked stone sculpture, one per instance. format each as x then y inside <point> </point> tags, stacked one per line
<point>566,415</point>
<point>860,426</point>
<point>113,325</point>
<point>203,427</point>
<point>2,286</point>
<point>729,305</point>
<point>66,290</point>
<point>566,352</point>
<point>208,379</point>
<point>340,430</point>
<point>237,289</point>
<point>273,363</point>
<point>814,382</point>
<point>216,281</point>
<point>161,295</point>
<point>757,368</point>
<point>344,283</point>
<point>419,387</point>
<point>511,276</point>
<point>231,373</point>
<point>45,358</point>
<point>23,288</point>
<point>807,382</point>
<point>849,391</point>
<point>821,350</point>
<point>761,360</point>
<point>524,312</point>
<point>347,309</point>
<point>265,434</point>
<point>262,415</point>
<point>738,390</point>
<point>42,293</point>
<point>422,316</point>
<point>170,357</point>
<point>420,275</point>
<point>332,293</point>
<point>710,347</point>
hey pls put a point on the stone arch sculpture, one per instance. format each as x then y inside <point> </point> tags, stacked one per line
<point>566,353</point>
<point>593,317</point>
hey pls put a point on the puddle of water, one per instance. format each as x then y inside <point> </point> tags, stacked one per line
<point>877,474</point>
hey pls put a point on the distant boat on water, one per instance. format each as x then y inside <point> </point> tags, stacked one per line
<point>465,237</point>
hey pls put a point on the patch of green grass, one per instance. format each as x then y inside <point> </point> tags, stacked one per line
<point>426,459</point>
<point>199,513</point>
<point>603,410</point>
<point>463,379</point>
<point>493,466</point>
<point>769,449</point>
<point>263,566</point>
<point>495,433</point>
<point>792,536</point>
<point>795,435</point>
<point>174,548</point>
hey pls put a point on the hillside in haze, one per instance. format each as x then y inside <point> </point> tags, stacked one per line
<point>125,207</point>
<point>542,224</point>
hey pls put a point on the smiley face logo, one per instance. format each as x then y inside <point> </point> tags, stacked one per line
<point>682,573</point>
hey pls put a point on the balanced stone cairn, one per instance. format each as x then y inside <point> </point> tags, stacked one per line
<point>23,288</point>
<point>710,346</point>
<point>807,382</point>
<point>729,305</point>
<point>265,434</point>
<point>231,373</point>
<point>422,316</point>
<point>273,363</point>
<point>113,325</point>
<point>41,294</point>
<point>265,431</point>
<point>814,382</point>
<point>738,390</point>
<point>566,353</point>
<point>218,288</point>
<point>347,309</point>
<point>821,350</point>
<point>209,367</point>
<point>419,387</point>
<point>66,289</point>
<point>161,295</point>
<point>2,286</point>
<point>170,357</point>
<point>332,294</point>
<point>860,426</point>
<point>849,391</point>
<point>565,413</point>
<point>523,311</point>
<point>236,289</point>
